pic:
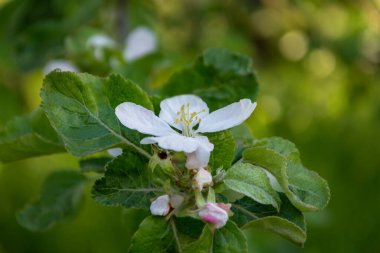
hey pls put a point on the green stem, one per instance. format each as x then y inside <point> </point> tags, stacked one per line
<point>175,235</point>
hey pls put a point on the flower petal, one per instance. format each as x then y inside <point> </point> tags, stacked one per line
<point>160,206</point>
<point>201,156</point>
<point>175,142</point>
<point>170,107</point>
<point>141,119</point>
<point>115,151</point>
<point>213,214</point>
<point>227,117</point>
<point>202,178</point>
<point>140,42</point>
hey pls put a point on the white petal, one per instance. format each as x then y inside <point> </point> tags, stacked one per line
<point>175,142</point>
<point>141,119</point>
<point>227,117</point>
<point>170,107</point>
<point>212,213</point>
<point>140,42</point>
<point>201,156</point>
<point>115,151</point>
<point>160,206</point>
<point>176,200</point>
<point>202,178</point>
<point>63,65</point>
<point>100,41</point>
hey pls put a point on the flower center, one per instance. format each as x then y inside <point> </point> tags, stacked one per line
<point>188,119</point>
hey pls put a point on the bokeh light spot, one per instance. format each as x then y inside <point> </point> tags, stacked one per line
<point>321,62</point>
<point>293,45</point>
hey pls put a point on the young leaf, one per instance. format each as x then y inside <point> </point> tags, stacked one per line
<point>94,164</point>
<point>126,182</point>
<point>224,150</point>
<point>305,189</point>
<point>219,76</point>
<point>189,226</point>
<point>203,244</point>
<point>228,239</point>
<point>243,139</point>
<point>61,196</point>
<point>154,235</point>
<point>28,136</point>
<point>288,223</point>
<point>81,109</point>
<point>251,181</point>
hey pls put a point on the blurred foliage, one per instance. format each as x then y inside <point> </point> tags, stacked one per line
<point>318,67</point>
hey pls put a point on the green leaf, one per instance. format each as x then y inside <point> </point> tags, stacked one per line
<point>228,239</point>
<point>81,109</point>
<point>251,181</point>
<point>126,182</point>
<point>154,235</point>
<point>288,223</point>
<point>121,90</point>
<point>61,196</point>
<point>28,136</point>
<point>94,164</point>
<point>203,244</point>
<point>224,150</point>
<point>219,76</point>
<point>305,189</point>
<point>243,139</point>
<point>189,226</point>
<point>12,101</point>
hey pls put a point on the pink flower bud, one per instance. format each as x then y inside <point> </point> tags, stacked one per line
<point>215,213</point>
<point>160,206</point>
<point>202,178</point>
<point>176,200</point>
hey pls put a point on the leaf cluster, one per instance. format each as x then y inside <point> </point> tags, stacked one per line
<point>264,179</point>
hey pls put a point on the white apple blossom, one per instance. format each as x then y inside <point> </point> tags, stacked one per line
<point>160,206</point>
<point>140,42</point>
<point>115,151</point>
<point>202,178</point>
<point>98,43</point>
<point>61,64</point>
<point>215,214</point>
<point>174,128</point>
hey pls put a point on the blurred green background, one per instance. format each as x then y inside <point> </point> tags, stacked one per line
<point>318,66</point>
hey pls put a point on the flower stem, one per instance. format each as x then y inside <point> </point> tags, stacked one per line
<point>176,235</point>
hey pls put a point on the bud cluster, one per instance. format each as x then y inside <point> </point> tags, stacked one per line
<point>191,200</point>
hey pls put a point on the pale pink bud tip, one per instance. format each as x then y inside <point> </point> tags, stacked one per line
<point>214,214</point>
<point>202,178</point>
<point>160,206</point>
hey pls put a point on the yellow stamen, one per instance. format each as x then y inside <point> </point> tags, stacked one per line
<point>187,118</point>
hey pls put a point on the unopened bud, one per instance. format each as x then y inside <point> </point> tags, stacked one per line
<point>202,178</point>
<point>176,200</point>
<point>215,214</point>
<point>160,206</point>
